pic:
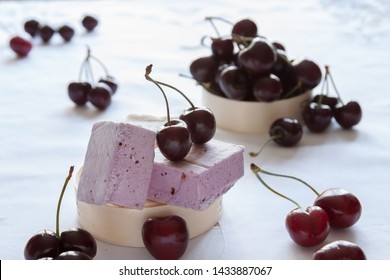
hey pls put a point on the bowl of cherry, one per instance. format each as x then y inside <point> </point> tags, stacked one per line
<point>249,81</point>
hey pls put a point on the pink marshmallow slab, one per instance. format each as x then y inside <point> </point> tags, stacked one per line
<point>206,173</point>
<point>118,165</point>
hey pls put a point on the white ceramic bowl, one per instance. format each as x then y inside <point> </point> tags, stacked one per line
<point>252,116</point>
<point>123,226</point>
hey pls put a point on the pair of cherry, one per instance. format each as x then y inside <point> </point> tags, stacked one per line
<point>335,207</point>
<point>196,125</point>
<point>86,89</point>
<point>71,244</point>
<point>318,114</point>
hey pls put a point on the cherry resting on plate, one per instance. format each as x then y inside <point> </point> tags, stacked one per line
<point>339,250</point>
<point>20,46</point>
<point>166,238</point>
<point>306,227</point>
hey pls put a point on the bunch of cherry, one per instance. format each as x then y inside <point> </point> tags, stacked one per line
<point>319,112</point>
<point>334,207</point>
<point>22,46</point>
<point>196,125</point>
<point>99,93</point>
<point>71,244</point>
<point>247,66</point>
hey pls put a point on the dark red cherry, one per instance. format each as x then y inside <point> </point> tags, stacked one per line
<point>339,250</point>
<point>78,92</point>
<point>317,117</point>
<point>245,28</point>
<point>233,82</point>
<point>31,26</point>
<point>267,88</point>
<point>308,73</point>
<point>100,96</point>
<point>174,140</point>
<point>308,227</point>
<point>200,123</point>
<point>66,32</point>
<point>89,22</point>
<point>73,255</point>
<point>77,239</point>
<point>342,207</point>
<point>46,33</point>
<point>286,132</point>
<point>44,244</point>
<point>203,69</point>
<point>20,46</point>
<point>111,82</point>
<point>258,58</point>
<point>166,238</point>
<point>348,115</point>
<point>223,49</point>
<point>328,100</point>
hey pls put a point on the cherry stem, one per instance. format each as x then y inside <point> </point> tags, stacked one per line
<point>148,70</point>
<point>333,84</point>
<point>179,91</point>
<point>290,177</point>
<point>293,90</point>
<point>256,170</point>
<point>255,154</point>
<point>60,200</point>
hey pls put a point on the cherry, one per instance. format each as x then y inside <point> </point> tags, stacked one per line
<point>233,82</point>
<point>44,244</point>
<point>166,238</point>
<point>286,131</point>
<point>73,255</point>
<point>339,250</point>
<point>258,58</point>
<point>100,96</point>
<point>173,138</point>
<point>308,73</point>
<point>46,32</point>
<point>77,239</point>
<point>245,28</point>
<point>317,117</point>
<point>348,115</point>
<point>202,69</point>
<point>111,82</point>
<point>307,227</point>
<point>89,22</point>
<point>223,49</point>
<point>324,99</point>
<point>343,208</point>
<point>78,92</point>
<point>66,32</point>
<point>31,26</point>
<point>267,88</point>
<point>20,46</point>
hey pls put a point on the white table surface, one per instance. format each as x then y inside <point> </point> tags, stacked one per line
<point>42,133</point>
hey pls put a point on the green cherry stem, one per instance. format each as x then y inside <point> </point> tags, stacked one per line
<point>272,138</point>
<point>256,170</point>
<point>148,70</point>
<point>60,200</point>
<point>179,91</point>
<point>293,90</point>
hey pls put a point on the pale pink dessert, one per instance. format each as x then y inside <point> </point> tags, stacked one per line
<point>205,174</point>
<point>118,165</point>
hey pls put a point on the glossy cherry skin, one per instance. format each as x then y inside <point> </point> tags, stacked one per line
<point>317,117</point>
<point>100,96</point>
<point>44,244</point>
<point>258,58</point>
<point>66,32</point>
<point>111,82</point>
<point>267,88</point>
<point>20,46</point>
<point>166,238</point>
<point>174,140</point>
<point>78,239</point>
<point>328,100</point>
<point>233,82</point>
<point>223,49</point>
<point>340,250</point>
<point>203,69</point>
<point>245,27</point>
<point>286,132</point>
<point>89,22</point>
<point>348,115</point>
<point>31,26</point>
<point>78,92</point>
<point>308,227</point>
<point>343,208</point>
<point>73,255</point>
<point>308,73</point>
<point>46,33</point>
<point>200,123</point>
